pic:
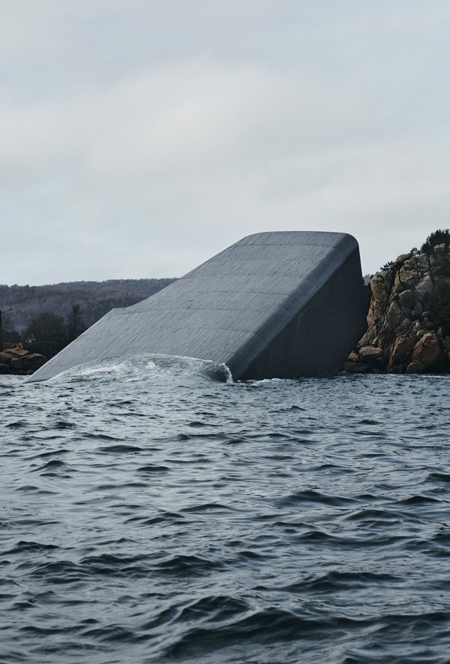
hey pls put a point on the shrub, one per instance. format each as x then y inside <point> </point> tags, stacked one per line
<point>438,237</point>
<point>387,266</point>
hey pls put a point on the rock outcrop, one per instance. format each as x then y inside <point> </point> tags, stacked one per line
<point>20,361</point>
<point>409,317</point>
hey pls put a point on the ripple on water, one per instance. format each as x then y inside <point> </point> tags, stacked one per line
<point>154,514</point>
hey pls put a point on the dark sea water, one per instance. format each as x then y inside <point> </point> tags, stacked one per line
<point>151,513</point>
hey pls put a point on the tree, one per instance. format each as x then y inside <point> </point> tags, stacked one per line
<point>438,237</point>
<point>46,334</point>
<point>7,333</point>
<point>74,322</point>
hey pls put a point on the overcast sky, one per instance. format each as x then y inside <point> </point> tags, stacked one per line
<point>140,137</point>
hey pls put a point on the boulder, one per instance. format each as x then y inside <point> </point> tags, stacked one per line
<point>16,352</point>
<point>401,353</point>
<point>5,358</point>
<point>407,300</point>
<point>369,353</point>
<point>32,363</point>
<point>428,354</point>
<point>20,361</point>
<point>402,258</point>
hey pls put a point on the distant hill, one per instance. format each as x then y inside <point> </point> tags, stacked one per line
<point>95,297</point>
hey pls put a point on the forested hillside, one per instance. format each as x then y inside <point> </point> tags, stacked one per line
<point>95,298</point>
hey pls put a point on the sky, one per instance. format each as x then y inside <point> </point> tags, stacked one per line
<point>140,137</point>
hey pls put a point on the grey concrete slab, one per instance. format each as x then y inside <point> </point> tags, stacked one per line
<point>282,304</point>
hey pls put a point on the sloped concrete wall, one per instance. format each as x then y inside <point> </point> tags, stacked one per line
<point>281,304</point>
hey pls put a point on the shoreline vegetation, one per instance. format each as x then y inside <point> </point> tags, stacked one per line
<point>408,321</point>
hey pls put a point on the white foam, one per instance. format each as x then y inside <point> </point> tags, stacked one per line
<point>145,367</point>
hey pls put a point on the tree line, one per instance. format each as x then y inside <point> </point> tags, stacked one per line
<point>47,318</point>
<point>95,298</point>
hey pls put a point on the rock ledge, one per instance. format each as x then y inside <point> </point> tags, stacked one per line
<point>409,317</point>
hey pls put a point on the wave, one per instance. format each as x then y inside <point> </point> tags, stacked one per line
<point>145,367</point>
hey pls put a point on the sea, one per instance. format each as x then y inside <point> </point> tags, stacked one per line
<point>152,510</point>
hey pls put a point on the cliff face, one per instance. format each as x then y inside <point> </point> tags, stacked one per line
<point>409,317</point>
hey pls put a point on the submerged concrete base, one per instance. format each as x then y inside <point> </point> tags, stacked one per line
<point>273,305</point>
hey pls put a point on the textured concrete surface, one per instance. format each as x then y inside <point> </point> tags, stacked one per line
<point>282,304</point>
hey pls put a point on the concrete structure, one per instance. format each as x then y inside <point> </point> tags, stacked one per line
<point>282,304</point>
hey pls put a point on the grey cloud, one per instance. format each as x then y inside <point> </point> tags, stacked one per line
<point>139,138</point>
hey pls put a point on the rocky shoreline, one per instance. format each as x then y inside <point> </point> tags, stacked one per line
<point>20,362</point>
<point>409,317</point>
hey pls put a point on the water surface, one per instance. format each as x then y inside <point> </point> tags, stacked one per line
<point>151,512</point>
